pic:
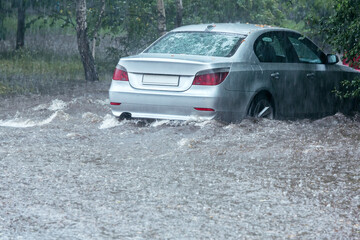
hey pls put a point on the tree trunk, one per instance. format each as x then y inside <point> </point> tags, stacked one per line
<point>161,17</point>
<point>97,27</point>
<point>179,13</point>
<point>20,33</point>
<point>2,16</point>
<point>83,42</point>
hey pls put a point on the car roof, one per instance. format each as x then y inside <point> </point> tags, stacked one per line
<point>241,28</point>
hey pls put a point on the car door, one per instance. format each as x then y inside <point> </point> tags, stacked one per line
<point>281,69</point>
<point>312,73</point>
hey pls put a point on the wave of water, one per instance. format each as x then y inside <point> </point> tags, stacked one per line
<point>28,123</point>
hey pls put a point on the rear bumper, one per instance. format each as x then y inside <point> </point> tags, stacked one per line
<point>161,112</point>
<point>227,105</point>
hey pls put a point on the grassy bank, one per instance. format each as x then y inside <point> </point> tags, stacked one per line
<point>30,72</point>
<point>27,71</point>
<point>48,64</point>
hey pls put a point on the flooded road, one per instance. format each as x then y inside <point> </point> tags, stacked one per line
<point>69,170</point>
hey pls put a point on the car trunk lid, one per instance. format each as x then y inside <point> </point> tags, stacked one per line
<point>167,72</point>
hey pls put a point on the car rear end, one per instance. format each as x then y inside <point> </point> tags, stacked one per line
<point>180,79</point>
<point>168,88</point>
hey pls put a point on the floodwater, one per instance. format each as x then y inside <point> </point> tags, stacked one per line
<point>70,170</point>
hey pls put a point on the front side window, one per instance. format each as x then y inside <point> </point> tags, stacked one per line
<point>198,43</point>
<point>305,50</point>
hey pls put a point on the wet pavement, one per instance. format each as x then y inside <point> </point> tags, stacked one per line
<point>69,170</point>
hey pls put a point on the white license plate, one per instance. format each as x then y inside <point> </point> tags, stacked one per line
<point>162,80</point>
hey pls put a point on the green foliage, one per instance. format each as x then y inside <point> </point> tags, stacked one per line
<point>2,16</point>
<point>252,11</point>
<point>63,11</point>
<point>4,7</point>
<point>4,90</point>
<point>305,16</point>
<point>343,28</point>
<point>132,25</point>
<point>343,32</point>
<point>260,11</point>
<point>349,89</point>
<point>8,10</point>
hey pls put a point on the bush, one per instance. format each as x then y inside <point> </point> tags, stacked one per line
<point>349,89</point>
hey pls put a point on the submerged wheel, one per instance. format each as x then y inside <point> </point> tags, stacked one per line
<point>125,116</point>
<point>261,107</point>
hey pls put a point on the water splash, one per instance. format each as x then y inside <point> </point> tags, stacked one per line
<point>110,122</point>
<point>91,117</point>
<point>159,123</point>
<point>57,105</point>
<point>20,123</point>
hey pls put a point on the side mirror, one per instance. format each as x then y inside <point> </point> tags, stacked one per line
<point>332,59</point>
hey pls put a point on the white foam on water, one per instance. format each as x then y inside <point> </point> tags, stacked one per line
<point>20,123</point>
<point>183,142</point>
<point>91,117</point>
<point>72,135</point>
<point>318,148</point>
<point>158,123</point>
<point>198,122</point>
<point>40,107</point>
<point>105,102</point>
<point>57,105</point>
<point>202,123</point>
<point>189,143</point>
<point>229,127</point>
<point>110,122</point>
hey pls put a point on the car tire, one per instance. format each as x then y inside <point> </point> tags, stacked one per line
<point>262,107</point>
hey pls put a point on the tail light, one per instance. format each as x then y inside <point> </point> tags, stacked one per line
<point>209,79</point>
<point>204,109</point>
<point>115,103</point>
<point>120,74</point>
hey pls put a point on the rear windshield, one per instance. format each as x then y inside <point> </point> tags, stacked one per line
<point>198,43</point>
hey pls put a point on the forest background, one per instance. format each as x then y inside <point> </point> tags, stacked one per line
<point>48,45</point>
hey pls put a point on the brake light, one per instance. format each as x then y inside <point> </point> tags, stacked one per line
<point>205,109</point>
<point>115,104</point>
<point>120,75</point>
<point>210,78</point>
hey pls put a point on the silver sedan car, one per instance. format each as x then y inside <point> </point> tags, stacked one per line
<point>228,72</point>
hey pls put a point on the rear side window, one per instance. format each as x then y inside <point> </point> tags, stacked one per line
<point>198,43</point>
<point>268,48</point>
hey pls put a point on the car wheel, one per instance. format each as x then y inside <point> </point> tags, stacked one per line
<point>261,107</point>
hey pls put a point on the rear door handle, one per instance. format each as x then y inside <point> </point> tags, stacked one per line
<point>275,75</point>
<point>310,75</point>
